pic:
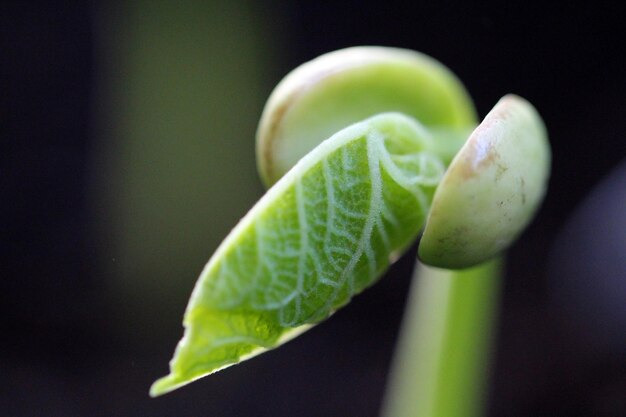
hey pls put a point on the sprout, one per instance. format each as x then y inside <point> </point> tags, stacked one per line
<point>361,148</point>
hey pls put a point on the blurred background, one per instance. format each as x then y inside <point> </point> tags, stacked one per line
<point>126,155</point>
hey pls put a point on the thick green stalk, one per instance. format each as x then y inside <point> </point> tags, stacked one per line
<point>440,366</point>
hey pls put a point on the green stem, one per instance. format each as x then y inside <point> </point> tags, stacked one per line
<point>448,142</point>
<point>440,365</point>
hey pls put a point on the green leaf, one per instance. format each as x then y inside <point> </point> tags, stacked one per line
<point>325,231</point>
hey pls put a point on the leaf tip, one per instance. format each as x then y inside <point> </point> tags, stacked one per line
<point>165,384</point>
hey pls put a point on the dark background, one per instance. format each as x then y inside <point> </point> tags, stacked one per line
<point>71,347</point>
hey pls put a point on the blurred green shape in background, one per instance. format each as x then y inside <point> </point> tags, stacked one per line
<point>180,90</point>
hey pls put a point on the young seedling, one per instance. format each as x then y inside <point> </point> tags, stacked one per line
<point>362,149</point>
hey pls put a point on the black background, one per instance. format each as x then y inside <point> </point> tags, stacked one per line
<point>566,59</point>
